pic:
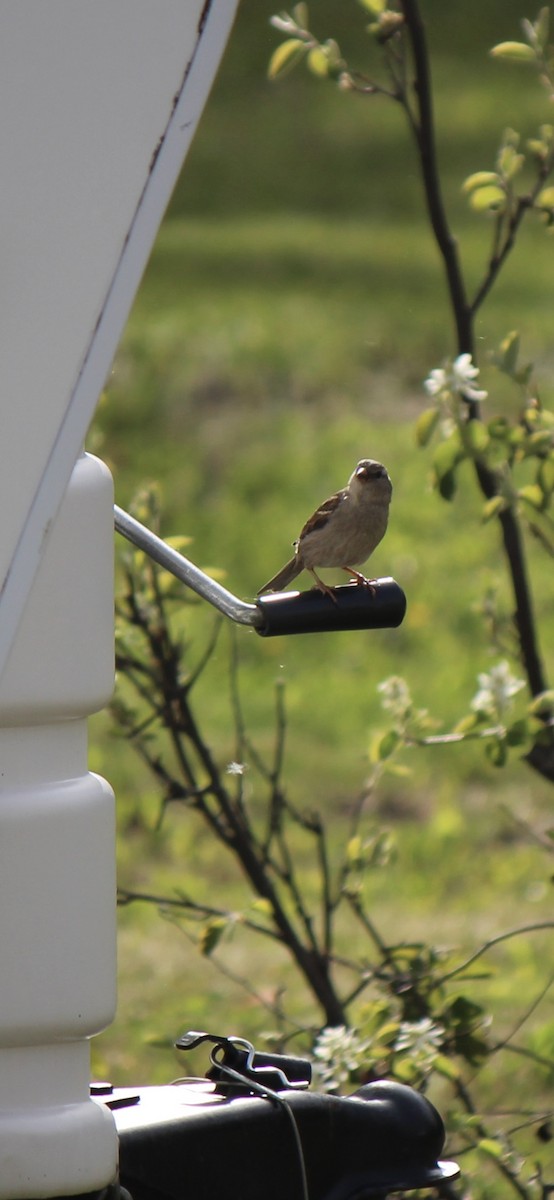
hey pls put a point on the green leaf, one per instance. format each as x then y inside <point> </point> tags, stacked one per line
<point>399,770</point>
<point>448,454</point>
<point>511,138</point>
<point>492,508</point>
<point>545,475</point>
<point>509,162</point>
<point>405,1070</point>
<point>499,428</point>
<point>388,24</point>
<point>476,437</point>
<point>542,27</point>
<point>210,935</point>
<point>538,148</point>
<point>446,457</point>
<point>517,734</point>
<point>497,752</point>
<point>388,1032</point>
<point>375,7</point>
<point>523,375</point>
<point>540,442</point>
<point>300,14</point>
<point>467,724</point>
<point>354,850</point>
<point>332,50</point>
<point>285,57</point>
<point>478,180</point>
<point>447,485</point>
<point>388,744</point>
<point>491,1148</point>
<point>544,703</point>
<point>179,541</point>
<point>509,350</point>
<point>473,1049</point>
<point>325,60</point>
<point>425,425</point>
<point>514,52</point>
<point>545,199</point>
<point>488,199</point>
<point>516,436</point>
<point>531,415</point>
<point>463,1013</point>
<point>533,494</point>
<point>318,62</point>
<point>262,905</point>
<point>446,1067</point>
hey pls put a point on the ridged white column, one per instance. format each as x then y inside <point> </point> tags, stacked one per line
<point>57,872</point>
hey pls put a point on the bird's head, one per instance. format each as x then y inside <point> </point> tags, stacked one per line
<point>372,475</point>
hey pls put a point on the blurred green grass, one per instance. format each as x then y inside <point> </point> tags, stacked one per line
<point>293,305</point>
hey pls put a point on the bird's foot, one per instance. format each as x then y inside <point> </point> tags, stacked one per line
<point>323,586</point>
<point>361,580</point>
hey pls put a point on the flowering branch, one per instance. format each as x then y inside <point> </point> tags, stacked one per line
<point>399,30</point>
<point>464,313</point>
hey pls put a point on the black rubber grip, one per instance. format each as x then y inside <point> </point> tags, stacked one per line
<point>379,605</point>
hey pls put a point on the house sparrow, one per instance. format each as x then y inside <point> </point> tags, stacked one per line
<point>343,531</point>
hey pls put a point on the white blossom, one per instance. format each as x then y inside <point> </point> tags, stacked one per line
<point>457,378</point>
<point>464,375</point>
<point>395,695</point>
<point>496,689</point>
<point>422,1039</point>
<point>338,1052</point>
<point>236,768</point>
<point>436,382</point>
<point>284,23</point>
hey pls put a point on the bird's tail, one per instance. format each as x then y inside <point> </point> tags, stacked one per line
<point>283,577</point>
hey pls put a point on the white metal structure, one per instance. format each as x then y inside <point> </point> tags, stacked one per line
<point>100,99</point>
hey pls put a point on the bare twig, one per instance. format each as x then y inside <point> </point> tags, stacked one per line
<point>161,688</point>
<point>537,927</point>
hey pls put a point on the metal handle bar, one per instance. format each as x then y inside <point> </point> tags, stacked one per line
<point>380,606</point>
<point>186,571</point>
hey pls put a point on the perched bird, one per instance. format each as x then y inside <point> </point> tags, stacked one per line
<point>343,531</point>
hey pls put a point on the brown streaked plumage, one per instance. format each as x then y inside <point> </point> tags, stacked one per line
<point>343,531</point>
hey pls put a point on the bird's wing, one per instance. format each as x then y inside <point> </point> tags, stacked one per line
<point>321,516</point>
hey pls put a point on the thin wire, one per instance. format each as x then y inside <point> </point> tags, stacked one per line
<point>268,1094</point>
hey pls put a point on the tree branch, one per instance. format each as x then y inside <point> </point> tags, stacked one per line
<point>424,131</point>
<point>206,792</point>
<point>542,757</point>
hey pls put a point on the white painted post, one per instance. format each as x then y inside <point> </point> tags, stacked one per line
<point>57,877</point>
<point>100,102</point>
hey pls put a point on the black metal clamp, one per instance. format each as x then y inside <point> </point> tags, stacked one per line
<point>231,1056</point>
<point>252,1127</point>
